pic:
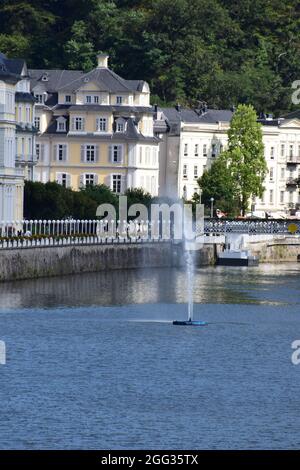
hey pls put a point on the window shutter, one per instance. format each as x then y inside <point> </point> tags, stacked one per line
<point>110,153</point>
<point>42,152</point>
<point>123,184</point>
<point>83,124</point>
<point>81,181</point>
<point>120,153</point>
<point>95,178</point>
<point>54,152</point>
<point>59,178</point>
<point>97,124</point>
<point>68,181</point>
<point>82,153</point>
<point>107,181</point>
<point>65,148</point>
<point>111,182</point>
<point>97,153</point>
<point>73,124</point>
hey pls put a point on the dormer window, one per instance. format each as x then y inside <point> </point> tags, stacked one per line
<point>120,125</point>
<point>68,99</point>
<point>45,78</point>
<point>88,99</point>
<point>61,124</point>
<point>119,99</point>
<point>40,98</point>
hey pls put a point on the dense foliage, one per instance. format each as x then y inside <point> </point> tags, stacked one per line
<point>224,52</point>
<point>245,156</point>
<point>237,176</point>
<point>51,201</point>
<point>217,182</point>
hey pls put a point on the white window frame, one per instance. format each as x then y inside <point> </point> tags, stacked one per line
<point>272,153</point>
<point>101,124</point>
<point>213,150</point>
<point>68,99</point>
<point>40,98</point>
<point>78,120</point>
<point>116,178</point>
<point>37,123</point>
<point>119,100</point>
<point>94,179</point>
<point>116,150</point>
<point>61,121</point>
<point>90,152</point>
<point>61,154</point>
<point>38,151</point>
<point>64,179</point>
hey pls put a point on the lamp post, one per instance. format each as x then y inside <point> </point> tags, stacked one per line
<point>211,207</point>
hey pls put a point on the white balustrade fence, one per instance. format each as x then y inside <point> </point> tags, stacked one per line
<point>37,233</point>
<point>31,233</point>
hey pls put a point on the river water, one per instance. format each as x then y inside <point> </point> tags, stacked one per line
<point>93,360</point>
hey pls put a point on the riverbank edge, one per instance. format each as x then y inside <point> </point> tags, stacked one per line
<point>33,263</point>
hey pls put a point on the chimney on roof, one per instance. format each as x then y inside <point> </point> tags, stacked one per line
<point>102,61</point>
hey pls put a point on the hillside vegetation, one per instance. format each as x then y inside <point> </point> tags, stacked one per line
<point>220,51</point>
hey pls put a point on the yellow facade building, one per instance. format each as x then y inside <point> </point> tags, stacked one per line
<point>94,128</point>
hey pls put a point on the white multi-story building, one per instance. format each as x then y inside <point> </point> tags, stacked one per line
<point>193,139</point>
<point>17,134</point>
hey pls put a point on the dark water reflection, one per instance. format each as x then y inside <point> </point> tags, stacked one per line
<point>93,361</point>
<point>264,284</point>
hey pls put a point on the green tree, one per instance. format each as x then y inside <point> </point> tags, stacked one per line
<point>138,196</point>
<point>217,182</point>
<point>48,201</point>
<point>79,50</point>
<point>100,194</point>
<point>245,155</point>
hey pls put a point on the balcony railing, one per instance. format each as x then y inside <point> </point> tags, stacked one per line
<point>293,159</point>
<point>292,182</point>
<point>25,159</point>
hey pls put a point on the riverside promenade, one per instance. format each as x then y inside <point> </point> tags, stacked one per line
<point>54,248</point>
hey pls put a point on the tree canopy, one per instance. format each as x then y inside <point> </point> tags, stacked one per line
<point>217,182</point>
<point>219,51</point>
<point>238,175</point>
<point>52,201</point>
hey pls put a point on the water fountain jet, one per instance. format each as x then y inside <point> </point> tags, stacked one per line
<point>189,252</point>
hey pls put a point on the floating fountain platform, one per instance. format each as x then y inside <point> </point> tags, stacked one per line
<point>189,323</point>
